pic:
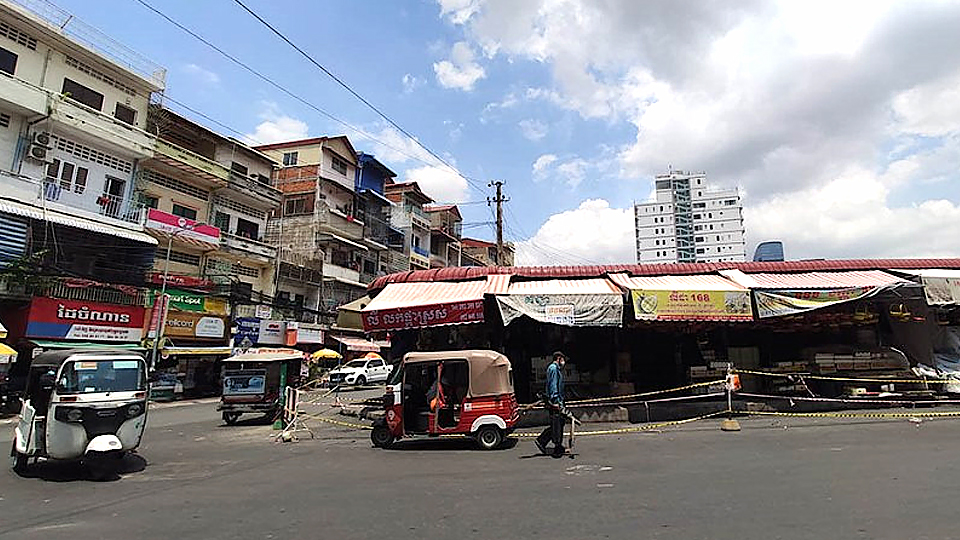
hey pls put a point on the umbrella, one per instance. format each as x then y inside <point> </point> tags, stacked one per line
<point>327,354</point>
<point>373,356</point>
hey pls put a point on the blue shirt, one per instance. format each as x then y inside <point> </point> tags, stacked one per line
<point>554,384</point>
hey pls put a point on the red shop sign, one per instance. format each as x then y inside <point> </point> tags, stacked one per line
<point>81,320</point>
<point>421,316</point>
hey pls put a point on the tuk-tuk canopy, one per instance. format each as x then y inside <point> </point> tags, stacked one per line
<point>266,355</point>
<point>489,370</point>
<point>54,359</point>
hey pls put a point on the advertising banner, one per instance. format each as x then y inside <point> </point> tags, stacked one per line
<point>195,325</point>
<point>272,333</point>
<point>941,290</point>
<point>184,228</point>
<point>309,333</point>
<point>420,316</point>
<point>81,320</point>
<point>248,330</point>
<point>158,316</point>
<point>564,309</point>
<point>181,300</point>
<point>780,302</point>
<point>665,305</point>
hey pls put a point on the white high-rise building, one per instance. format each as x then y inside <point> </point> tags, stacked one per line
<point>689,222</point>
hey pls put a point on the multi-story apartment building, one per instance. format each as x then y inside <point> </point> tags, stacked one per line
<point>407,215</point>
<point>319,218</point>
<point>485,253</point>
<point>73,108</point>
<point>446,228</point>
<point>211,196</point>
<point>688,221</point>
<point>374,208</point>
<point>73,103</point>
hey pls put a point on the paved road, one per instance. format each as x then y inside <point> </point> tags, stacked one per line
<point>777,478</point>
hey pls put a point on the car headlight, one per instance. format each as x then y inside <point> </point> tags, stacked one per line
<point>135,409</point>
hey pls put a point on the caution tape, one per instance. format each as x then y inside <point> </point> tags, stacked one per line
<point>644,402</point>
<point>945,414</point>
<point>853,400</point>
<point>646,394</point>
<point>337,422</point>
<point>828,378</point>
<point>633,429</point>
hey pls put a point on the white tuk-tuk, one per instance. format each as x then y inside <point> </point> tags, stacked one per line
<point>88,405</point>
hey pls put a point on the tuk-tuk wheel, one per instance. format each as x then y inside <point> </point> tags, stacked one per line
<point>18,461</point>
<point>381,437</point>
<point>230,417</point>
<point>489,437</point>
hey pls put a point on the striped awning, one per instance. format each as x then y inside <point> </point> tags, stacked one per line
<point>429,303</point>
<point>706,282</point>
<point>183,239</point>
<point>75,220</point>
<point>815,280</point>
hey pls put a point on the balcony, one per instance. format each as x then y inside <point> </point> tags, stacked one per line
<point>341,273</point>
<point>104,204</point>
<point>22,97</point>
<point>254,189</point>
<point>340,224</point>
<point>418,220</point>
<point>86,120</point>
<point>419,257</point>
<point>248,247</point>
<point>191,163</point>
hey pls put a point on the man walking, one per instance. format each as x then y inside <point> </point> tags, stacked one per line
<point>554,403</point>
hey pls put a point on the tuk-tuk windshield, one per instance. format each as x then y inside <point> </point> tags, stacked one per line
<point>92,376</point>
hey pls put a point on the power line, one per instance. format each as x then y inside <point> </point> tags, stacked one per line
<point>470,181</point>
<point>351,90</point>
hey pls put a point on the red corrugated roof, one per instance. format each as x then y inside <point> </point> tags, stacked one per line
<point>706,282</point>
<point>565,286</point>
<point>549,272</point>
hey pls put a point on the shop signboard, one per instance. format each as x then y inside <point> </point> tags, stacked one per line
<point>419,316</point>
<point>194,325</point>
<point>263,312</point>
<point>168,223</point>
<point>272,333</point>
<point>670,305</point>
<point>780,302</point>
<point>54,318</point>
<point>308,333</point>
<point>248,329</point>
<point>941,290</point>
<point>181,300</point>
<point>180,280</point>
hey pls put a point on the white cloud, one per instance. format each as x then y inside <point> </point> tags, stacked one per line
<point>533,130</point>
<point>277,127</point>
<point>542,164</point>
<point>770,96</point>
<point>440,183</point>
<point>410,83</point>
<point>573,237</point>
<point>461,71</point>
<point>205,76</point>
<point>851,217</point>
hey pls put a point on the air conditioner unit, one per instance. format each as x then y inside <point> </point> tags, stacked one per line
<point>38,152</point>
<point>41,138</point>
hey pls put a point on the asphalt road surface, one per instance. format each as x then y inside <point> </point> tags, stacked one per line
<point>778,478</point>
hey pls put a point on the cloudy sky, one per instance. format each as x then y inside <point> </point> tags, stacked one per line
<point>839,121</point>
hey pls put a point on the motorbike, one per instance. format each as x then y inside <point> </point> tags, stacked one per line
<point>87,405</point>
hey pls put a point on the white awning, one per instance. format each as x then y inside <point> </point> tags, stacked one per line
<point>345,281</point>
<point>567,302</point>
<point>60,218</point>
<point>940,286</point>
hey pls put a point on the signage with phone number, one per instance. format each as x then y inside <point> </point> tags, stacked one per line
<point>657,305</point>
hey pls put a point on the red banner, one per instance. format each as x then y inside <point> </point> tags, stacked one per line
<point>81,320</point>
<point>174,280</point>
<point>421,316</point>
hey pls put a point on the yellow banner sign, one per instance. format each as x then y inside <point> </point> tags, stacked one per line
<point>691,305</point>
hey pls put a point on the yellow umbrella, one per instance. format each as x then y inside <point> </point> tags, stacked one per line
<point>327,354</point>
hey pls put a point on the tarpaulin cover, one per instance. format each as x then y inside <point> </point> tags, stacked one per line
<point>357,344</point>
<point>686,298</point>
<point>567,302</point>
<point>941,287</point>
<point>786,294</point>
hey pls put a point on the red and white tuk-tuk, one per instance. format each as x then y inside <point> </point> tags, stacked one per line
<point>449,392</point>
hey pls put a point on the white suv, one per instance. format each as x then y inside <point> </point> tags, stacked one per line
<point>360,372</point>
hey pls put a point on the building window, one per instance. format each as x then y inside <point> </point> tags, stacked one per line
<point>4,120</point>
<point>176,185</point>
<point>248,229</point>
<point>125,114</point>
<point>298,206</point>
<point>184,258</point>
<point>239,169</point>
<point>8,61</point>
<point>150,201</point>
<point>696,216</point>
<point>68,175</point>
<point>249,271</point>
<point>90,154</point>
<point>290,158</point>
<point>221,220</point>
<point>339,165</point>
<point>184,211</point>
<point>78,92</point>
<point>98,75</point>
<point>240,207</point>
<point>17,36</point>
<point>700,251</point>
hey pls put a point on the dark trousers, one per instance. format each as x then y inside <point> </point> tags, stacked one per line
<point>554,431</point>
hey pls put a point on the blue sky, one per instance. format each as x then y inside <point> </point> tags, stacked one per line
<point>839,121</point>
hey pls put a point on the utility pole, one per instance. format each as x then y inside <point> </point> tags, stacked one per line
<point>499,199</point>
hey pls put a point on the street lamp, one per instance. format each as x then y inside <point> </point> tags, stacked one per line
<point>158,331</point>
